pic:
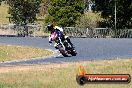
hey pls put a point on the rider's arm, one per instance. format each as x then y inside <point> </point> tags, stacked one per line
<point>50,39</point>
<point>53,36</point>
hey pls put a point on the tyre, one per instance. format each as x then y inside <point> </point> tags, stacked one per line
<point>65,55</point>
<point>63,52</point>
<point>73,53</point>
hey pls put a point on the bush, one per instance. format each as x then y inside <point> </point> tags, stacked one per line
<point>88,20</point>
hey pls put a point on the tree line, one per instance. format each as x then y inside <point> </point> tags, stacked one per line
<point>71,12</point>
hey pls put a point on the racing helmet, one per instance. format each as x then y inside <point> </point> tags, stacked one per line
<point>50,27</point>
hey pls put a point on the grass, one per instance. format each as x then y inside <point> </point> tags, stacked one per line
<point>10,52</point>
<point>62,75</point>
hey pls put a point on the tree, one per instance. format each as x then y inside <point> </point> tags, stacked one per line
<point>23,11</point>
<point>88,20</point>
<point>1,1</point>
<point>44,7</point>
<point>107,7</point>
<point>65,12</point>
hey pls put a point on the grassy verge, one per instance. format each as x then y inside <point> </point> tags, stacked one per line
<point>10,52</point>
<point>61,75</point>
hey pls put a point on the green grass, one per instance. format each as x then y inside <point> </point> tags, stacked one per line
<point>10,52</point>
<point>62,75</point>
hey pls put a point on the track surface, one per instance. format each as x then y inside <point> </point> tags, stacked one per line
<point>88,49</point>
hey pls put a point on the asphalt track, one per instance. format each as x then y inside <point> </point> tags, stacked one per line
<point>87,48</point>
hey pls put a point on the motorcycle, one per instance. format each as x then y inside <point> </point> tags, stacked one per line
<point>64,47</point>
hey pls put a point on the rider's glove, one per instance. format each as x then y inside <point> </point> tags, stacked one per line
<point>50,42</point>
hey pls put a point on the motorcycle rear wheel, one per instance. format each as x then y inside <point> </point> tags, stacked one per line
<point>63,52</point>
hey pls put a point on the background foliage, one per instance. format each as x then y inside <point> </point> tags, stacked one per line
<point>43,10</point>
<point>88,20</point>
<point>23,11</point>
<point>70,12</point>
<point>107,7</point>
<point>65,12</point>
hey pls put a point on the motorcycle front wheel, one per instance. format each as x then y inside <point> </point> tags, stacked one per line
<point>73,53</point>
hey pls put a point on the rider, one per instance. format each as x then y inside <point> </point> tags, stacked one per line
<point>58,32</point>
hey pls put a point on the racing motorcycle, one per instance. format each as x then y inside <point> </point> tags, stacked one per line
<point>63,46</point>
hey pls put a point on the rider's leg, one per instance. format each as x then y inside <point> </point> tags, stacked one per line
<point>69,41</point>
